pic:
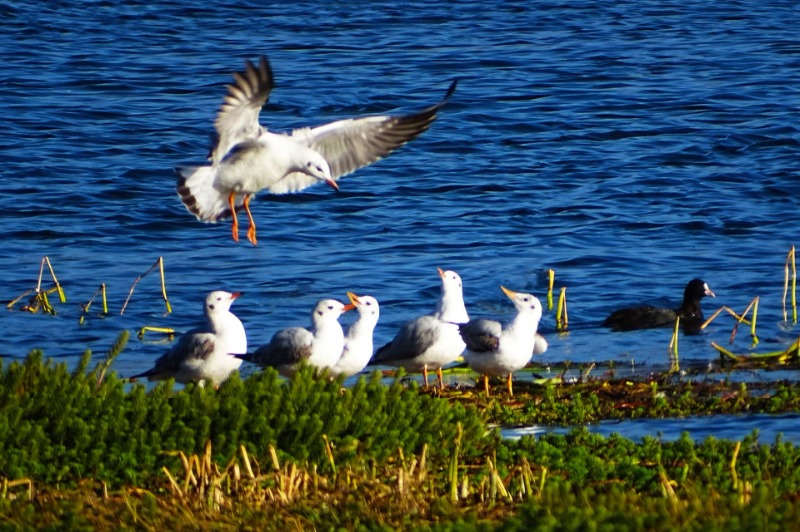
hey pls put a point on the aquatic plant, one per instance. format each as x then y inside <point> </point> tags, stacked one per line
<point>57,425</point>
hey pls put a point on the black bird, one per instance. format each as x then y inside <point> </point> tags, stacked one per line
<point>647,317</point>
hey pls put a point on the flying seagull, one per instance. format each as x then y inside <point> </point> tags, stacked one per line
<point>247,158</point>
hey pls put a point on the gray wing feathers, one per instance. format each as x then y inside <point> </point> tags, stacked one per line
<point>481,335</point>
<point>352,143</point>
<point>190,346</point>
<point>414,338</point>
<point>237,119</point>
<point>287,347</point>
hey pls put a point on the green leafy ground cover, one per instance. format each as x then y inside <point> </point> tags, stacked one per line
<point>82,449</point>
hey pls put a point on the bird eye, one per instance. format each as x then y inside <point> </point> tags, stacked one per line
<point>211,306</point>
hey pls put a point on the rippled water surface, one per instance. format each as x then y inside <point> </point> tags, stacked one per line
<point>630,147</point>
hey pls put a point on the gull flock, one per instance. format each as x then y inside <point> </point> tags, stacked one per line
<point>211,352</point>
<point>246,159</point>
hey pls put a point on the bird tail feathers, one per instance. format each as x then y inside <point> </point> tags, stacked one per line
<point>201,198</point>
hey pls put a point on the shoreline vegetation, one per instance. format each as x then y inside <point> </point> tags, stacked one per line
<point>84,449</point>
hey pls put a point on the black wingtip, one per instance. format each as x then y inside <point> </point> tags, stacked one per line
<point>147,373</point>
<point>247,357</point>
<point>450,90</point>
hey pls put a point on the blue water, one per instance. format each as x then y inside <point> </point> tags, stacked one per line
<point>629,146</point>
<point>730,427</point>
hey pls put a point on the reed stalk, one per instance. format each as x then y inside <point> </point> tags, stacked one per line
<point>673,346</point>
<point>551,277</point>
<point>790,261</point>
<point>62,297</point>
<point>562,318</point>
<point>160,263</point>
<point>453,469</point>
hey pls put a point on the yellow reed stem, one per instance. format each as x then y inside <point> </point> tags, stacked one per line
<point>753,322</point>
<point>41,272</point>
<point>741,318</point>
<point>103,294</point>
<point>673,345</point>
<point>164,285</point>
<point>562,318</point>
<point>15,301</point>
<point>46,306</point>
<point>62,297</point>
<point>551,276</point>
<point>169,331</point>
<point>791,258</point>
<point>160,263</point>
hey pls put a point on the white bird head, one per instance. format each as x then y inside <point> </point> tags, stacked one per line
<point>328,310</point>
<point>524,302</point>
<point>316,166</point>
<point>451,281</point>
<point>219,301</point>
<point>451,303</point>
<point>368,308</point>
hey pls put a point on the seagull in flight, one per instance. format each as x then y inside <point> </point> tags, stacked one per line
<point>247,158</point>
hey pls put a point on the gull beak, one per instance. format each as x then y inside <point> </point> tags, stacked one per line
<point>352,297</point>
<point>332,183</point>
<point>507,292</point>
<point>708,291</point>
<point>441,272</point>
<point>353,300</point>
<point>234,295</point>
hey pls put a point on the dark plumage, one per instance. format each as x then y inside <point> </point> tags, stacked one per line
<point>648,317</point>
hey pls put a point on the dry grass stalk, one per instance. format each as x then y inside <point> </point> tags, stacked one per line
<point>11,484</point>
<point>673,346</point>
<point>754,306</point>
<point>790,261</point>
<point>160,263</point>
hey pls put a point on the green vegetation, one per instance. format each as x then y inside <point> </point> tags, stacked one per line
<point>83,449</point>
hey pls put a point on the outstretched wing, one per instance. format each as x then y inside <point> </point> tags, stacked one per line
<point>353,143</point>
<point>237,119</point>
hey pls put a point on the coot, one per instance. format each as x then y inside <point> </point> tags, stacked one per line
<point>648,317</point>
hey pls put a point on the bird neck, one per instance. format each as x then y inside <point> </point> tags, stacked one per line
<point>525,321</point>
<point>451,309</point>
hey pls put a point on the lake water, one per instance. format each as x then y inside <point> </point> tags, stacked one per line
<point>630,147</point>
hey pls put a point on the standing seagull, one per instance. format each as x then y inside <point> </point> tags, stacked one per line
<point>496,349</point>
<point>247,158</point>
<point>358,341</point>
<point>319,347</point>
<point>430,341</point>
<point>201,354</point>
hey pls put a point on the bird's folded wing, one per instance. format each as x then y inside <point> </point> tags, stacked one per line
<point>481,335</point>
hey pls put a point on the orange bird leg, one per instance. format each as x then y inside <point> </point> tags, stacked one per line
<point>235,223</point>
<point>251,231</point>
<point>441,380</point>
<point>425,375</point>
<point>486,384</point>
<point>510,391</point>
